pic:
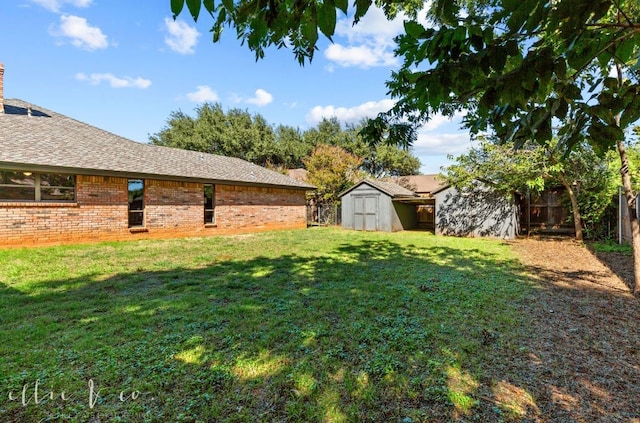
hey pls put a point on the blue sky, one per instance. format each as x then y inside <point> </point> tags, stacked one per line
<point>124,66</point>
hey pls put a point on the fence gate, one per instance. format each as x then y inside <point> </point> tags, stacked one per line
<point>324,214</point>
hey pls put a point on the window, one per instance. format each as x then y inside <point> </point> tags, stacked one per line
<point>209,204</point>
<point>29,186</point>
<point>136,203</point>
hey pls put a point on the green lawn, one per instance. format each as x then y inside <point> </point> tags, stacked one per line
<point>310,325</point>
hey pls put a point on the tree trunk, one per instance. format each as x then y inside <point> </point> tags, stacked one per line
<point>633,218</point>
<point>577,218</point>
<point>631,202</point>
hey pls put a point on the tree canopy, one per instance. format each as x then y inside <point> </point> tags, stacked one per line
<point>237,133</point>
<point>332,169</point>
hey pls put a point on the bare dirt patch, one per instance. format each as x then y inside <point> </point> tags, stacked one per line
<point>582,363</point>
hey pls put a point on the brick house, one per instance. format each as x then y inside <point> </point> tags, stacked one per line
<point>64,181</point>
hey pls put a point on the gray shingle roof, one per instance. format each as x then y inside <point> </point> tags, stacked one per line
<point>51,140</point>
<point>389,188</point>
<point>420,184</point>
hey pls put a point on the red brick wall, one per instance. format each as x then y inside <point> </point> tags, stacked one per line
<point>172,209</point>
<point>259,208</point>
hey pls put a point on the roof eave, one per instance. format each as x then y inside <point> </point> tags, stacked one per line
<point>140,175</point>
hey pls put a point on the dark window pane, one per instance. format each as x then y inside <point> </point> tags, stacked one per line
<point>208,196</point>
<point>208,216</point>
<point>57,194</point>
<point>136,194</point>
<point>57,180</point>
<point>136,202</point>
<point>14,193</point>
<point>209,203</point>
<point>17,178</point>
<point>136,218</point>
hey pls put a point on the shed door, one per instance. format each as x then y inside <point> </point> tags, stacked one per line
<point>366,213</point>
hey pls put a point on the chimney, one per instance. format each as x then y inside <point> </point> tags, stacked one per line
<point>1,88</point>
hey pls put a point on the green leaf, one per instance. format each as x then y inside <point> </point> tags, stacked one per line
<point>362,6</point>
<point>632,113</point>
<point>309,28</point>
<point>459,34</point>
<point>498,58</point>
<point>572,92</point>
<point>477,42</point>
<point>176,7</point>
<point>605,134</point>
<point>228,4</point>
<point>626,49</point>
<point>194,8</point>
<point>414,29</point>
<point>343,5</point>
<point>209,5</point>
<point>327,18</point>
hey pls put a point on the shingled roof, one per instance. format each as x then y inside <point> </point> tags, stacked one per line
<point>389,188</point>
<point>420,184</point>
<point>40,139</point>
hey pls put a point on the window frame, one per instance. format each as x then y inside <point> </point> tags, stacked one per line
<point>212,210</point>
<point>38,187</point>
<point>140,211</point>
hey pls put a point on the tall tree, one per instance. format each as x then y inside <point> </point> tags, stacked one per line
<point>332,169</point>
<point>379,160</point>
<point>292,146</point>
<point>390,160</point>
<point>234,133</point>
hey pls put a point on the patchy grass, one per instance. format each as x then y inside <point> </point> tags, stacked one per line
<point>611,247</point>
<point>312,325</point>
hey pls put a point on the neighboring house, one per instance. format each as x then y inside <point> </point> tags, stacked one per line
<point>387,206</point>
<point>300,174</point>
<point>62,181</point>
<point>422,185</point>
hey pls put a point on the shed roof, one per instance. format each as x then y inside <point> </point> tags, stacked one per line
<point>421,184</point>
<point>42,139</point>
<point>391,189</point>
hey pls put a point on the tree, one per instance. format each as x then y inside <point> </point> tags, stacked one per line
<point>380,160</point>
<point>524,69</point>
<point>292,146</point>
<point>535,167</point>
<point>528,70</point>
<point>390,160</point>
<point>332,170</point>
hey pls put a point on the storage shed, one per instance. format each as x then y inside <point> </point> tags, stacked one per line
<point>376,206</point>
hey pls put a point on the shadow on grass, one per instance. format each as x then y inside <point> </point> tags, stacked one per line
<point>368,331</point>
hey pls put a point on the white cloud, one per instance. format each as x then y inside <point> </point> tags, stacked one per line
<point>364,56</point>
<point>349,114</point>
<point>203,94</point>
<point>55,5</point>
<point>438,120</point>
<point>181,37</point>
<point>434,144</point>
<point>262,98</point>
<point>81,34</point>
<point>114,81</point>
<point>369,43</point>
